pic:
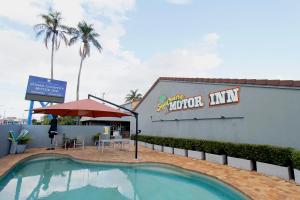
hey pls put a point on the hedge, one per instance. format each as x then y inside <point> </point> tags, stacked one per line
<point>263,153</point>
<point>296,159</point>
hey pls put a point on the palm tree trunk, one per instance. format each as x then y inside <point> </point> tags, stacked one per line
<point>52,57</point>
<point>78,80</point>
<point>78,84</point>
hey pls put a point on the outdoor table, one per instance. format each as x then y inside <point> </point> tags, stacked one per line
<point>102,142</point>
<point>112,141</point>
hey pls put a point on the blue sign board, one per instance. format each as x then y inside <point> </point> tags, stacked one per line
<point>43,89</point>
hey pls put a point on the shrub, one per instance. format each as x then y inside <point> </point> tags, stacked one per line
<point>263,153</point>
<point>296,159</point>
<point>96,137</point>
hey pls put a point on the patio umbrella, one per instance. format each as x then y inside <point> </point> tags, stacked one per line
<point>85,107</point>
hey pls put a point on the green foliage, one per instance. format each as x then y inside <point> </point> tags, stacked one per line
<point>96,137</point>
<point>35,122</point>
<point>263,153</point>
<point>133,95</point>
<point>22,138</point>
<point>296,159</point>
<point>12,136</point>
<point>67,120</point>
<point>45,120</point>
<point>52,29</point>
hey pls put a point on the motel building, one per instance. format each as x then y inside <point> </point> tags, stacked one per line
<point>234,110</point>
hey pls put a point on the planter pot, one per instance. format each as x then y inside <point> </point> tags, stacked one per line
<point>220,159</point>
<point>158,148</point>
<point>273,170</point>
<point>180,152</point>
<point>168,149</point>
<point>149,145</point>
<point>140,143</point>
<point>240,163</point>
<point>297,175</point>
<point>21,148</point>
<point>196,154</point>
<point>131,142</point>
<point>13,148</point>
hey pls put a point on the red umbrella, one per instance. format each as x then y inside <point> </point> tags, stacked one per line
<point>85,107</point>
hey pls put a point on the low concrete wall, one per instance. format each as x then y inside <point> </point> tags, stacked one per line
<point>4,142</point>
<point>297,176</point>
<point>39,133</point>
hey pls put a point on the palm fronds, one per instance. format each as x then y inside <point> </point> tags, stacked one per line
<point>133,95</point>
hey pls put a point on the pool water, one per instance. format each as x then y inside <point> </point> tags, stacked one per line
<point>63,178</point>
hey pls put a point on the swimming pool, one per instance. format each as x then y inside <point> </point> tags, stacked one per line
<point>56,177</point>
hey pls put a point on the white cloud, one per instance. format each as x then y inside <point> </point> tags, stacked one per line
<point>115,71</point>
<point>179,2</point>
<point>189,61</point>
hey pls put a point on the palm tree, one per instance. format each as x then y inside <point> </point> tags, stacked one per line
<point>53,30</point>
<point>87,35</point>
<point>133,96</point>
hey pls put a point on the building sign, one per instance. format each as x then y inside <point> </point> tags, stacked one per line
<point>224,97</point>
<point>180,102</point>
<point>43,89</point>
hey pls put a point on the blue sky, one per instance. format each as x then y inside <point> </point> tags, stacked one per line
<point>257,38</point>
<point>144,39</point>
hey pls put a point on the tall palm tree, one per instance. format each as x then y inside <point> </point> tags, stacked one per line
<point>52,29</point>
<point>87,35</point>
<point>133,95</point>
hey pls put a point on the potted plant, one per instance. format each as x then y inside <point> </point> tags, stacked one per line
<point>18,143</point>
<point>296,163</point>
<point>96,138</point>
<point>13,138</point>
<point>22,143</point>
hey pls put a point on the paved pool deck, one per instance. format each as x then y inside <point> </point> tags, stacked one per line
<point>252,184</point>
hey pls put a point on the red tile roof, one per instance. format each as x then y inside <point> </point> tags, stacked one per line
<point>258,82</point>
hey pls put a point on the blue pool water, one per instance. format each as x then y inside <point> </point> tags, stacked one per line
<point>61,178</point>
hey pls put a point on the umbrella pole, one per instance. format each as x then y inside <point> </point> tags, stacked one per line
<point>137,131</point>
<point>136,135</point>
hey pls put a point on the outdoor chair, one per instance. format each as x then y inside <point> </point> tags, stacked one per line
<point>103,139</point>
<point>58,140</point>
<point>117,140</point>
<point>79,142</point>
<point>120,140</point>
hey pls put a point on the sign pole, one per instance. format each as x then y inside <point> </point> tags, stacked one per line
<point>29,118</point>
